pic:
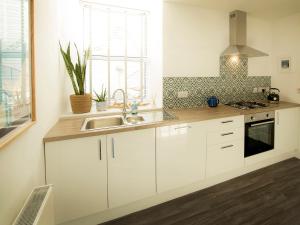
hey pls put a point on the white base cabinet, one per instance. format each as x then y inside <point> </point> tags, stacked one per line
<point>78,170</point>
<point>96,173</point>
<point>287,130</point>
<point>131,166</point>
<point>181,153</point>
<point>225,145</point>
<point>93,174</point>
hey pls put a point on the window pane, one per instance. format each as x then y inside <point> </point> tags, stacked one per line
<point>99,32</point>
<point>15,92</point>
<point>126,29</point>
<point>100,75</point>
<point>117,34</point>
<point>117,75</point>
<point>86,27</point>
<point>87,78</point>
<point>134,35</point>
<point>134,80</point>
<point>146,81</point>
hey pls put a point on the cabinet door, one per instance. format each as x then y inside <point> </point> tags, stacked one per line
<point>287,130</point>
<point>225,157</point>
<point>78,170</point>
<point>181,153</point>
<point>131,166</point>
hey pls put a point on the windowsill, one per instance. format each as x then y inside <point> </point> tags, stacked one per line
<point>7,139</point>
<point>109,111</point>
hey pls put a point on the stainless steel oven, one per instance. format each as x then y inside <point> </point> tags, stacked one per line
<point>259,133</point>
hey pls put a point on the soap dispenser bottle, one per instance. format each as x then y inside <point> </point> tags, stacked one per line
<point>134,108</point>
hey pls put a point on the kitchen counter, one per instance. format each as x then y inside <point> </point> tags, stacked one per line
<point>68,128</point>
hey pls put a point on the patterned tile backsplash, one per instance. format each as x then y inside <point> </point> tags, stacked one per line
<point>233,84</point>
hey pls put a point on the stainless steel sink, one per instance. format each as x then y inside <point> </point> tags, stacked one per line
<point>134,119</point>
<point>107,122</point>
<point>102,122</point>
<point>110,122</point>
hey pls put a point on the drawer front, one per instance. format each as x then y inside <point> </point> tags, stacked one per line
<point>224,157</point>
<point>227,135</point>
<point>226,123</point>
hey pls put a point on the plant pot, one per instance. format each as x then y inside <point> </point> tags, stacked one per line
<point>81,103</point>
<point>101,106</point>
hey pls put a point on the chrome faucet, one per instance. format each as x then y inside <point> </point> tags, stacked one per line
<point>124,100</point>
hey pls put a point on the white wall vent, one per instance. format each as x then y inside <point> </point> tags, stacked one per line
<point>38,208</point>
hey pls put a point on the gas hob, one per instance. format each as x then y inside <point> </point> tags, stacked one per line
<point>245,105</point>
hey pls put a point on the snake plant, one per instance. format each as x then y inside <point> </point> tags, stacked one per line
<point>101,97</point>
<point>77,70</point>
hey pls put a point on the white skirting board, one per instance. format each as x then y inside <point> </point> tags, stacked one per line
<point>111,214</point>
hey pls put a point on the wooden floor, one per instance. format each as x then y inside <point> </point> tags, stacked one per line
<point>270,196</point>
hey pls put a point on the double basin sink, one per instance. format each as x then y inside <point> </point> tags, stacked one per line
<point>106,122</point>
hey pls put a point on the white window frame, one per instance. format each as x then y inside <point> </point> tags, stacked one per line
<point>143,58</point>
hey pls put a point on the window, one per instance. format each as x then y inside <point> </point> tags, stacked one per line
<point>118,40</point>
<point>16,97</point>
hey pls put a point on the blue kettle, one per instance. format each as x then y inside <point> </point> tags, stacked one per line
<point>213,101</point>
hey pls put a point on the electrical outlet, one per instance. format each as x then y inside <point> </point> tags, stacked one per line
<point>183,94</point>
<point>254,90</point>
<point>263,89</point>
<point>260,89</point>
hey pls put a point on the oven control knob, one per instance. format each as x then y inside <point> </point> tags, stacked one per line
<point>267,115</point>
<point>252,118</point>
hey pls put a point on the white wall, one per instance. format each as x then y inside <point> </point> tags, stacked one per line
<point>22,162</point>
<point>259,35</point>
<point>286,43</point>
<point>70,29</point>
<point>195,37</point>
<point>193,40</point>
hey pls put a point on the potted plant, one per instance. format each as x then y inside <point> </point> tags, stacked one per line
<point>81,102</point>
<point>100,100</point>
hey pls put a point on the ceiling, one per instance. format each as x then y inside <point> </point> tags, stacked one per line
<point>266,9</point>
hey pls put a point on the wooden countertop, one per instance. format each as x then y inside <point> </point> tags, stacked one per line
<point>69,128</point>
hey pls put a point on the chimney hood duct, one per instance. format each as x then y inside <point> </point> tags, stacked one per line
<point>238,37</point>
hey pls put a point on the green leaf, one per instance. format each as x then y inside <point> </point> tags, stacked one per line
<point>102,96</point>
<point>69,66</point>
<point>77,72</point>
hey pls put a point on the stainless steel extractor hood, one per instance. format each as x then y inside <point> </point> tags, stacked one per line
<point>238,37</point>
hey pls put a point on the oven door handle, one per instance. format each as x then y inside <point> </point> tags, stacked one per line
<point>263,123</point>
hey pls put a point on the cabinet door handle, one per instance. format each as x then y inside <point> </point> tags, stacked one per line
<point>228,121</point>
<point>100,150</point>
<point>225,134</point>
<point>177,128</point>
<point>228,146</point>
<point>113,147</point>
<point>263,123</point>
